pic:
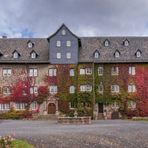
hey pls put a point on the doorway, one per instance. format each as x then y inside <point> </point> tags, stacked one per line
<point>51,108</point>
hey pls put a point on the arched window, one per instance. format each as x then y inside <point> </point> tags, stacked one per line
<point>138,53</point>
<point>117,54</point>
<point>106,43</point>
<point>126,42</point>
<point>71,89</point>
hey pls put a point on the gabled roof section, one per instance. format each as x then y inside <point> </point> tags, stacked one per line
<point>96,51</point>
<point>62,26</point>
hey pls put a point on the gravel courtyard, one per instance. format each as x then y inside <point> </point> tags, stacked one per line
<point>100,134</point>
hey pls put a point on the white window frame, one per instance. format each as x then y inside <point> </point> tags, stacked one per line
<point>132,104</point>
<point>20,106</point>
<point>82,71</point>
<point>72,72</point>
<point>58,43</point>
<point>115,88</point>
<point>33,55</point>
<point>58,55</point>
<point>52,72</point>
<point>6,90</point>
<point>33,72</point>
<point>68,55</point>
<point>68,43</point>
<point>7,72</point>
<point>100,70</point>
<point>33,90</point>
<point>72,89</point>
<point>53,89</point>
<point>5,106</point>
<point>63,32</point>
<point>115,70</point>
<point>85,88</point>
<point>138,54</point>
<point>131,88</point>
<point>88,71</point>
<point>33,105</point>
<point>126,43</point>
<point>132,70</point>
<point>106,43</point>
<point>96,55</point>
<point>117,54</point>
<point>30,45</point>
<point>15,55</point>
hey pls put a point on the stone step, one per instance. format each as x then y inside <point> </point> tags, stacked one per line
<point>100,116</point>
<point>45,117</point>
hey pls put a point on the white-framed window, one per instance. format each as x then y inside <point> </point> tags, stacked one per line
<point>115,105</point>
<point>33,55</point>
<point>96,55</point>
<point>131,104</point>
<point>33,72</point>
<point>87,71</point>
<point>115,70</point>
<point>58,43</point>
<point>115,89</point>
<point>20,106</point>
<point>5,106</point>
<point>132,70</point>
<point>33,106</point>
<point>72,89</point>
<point>30,44</point>
<point>131,88</point>
<point>138,54</point>
<point>68,55</point>
<point>72,72</point>
<point>15,55</point>
<point>33,90</point>
<point>53,89</point>
<point>106,43</point>
<point>68,43</point>
<point>6,90</point>
<point>101,88</point>
<point>63,32</point>
<point>72,105</point>
<point>117,54</point>
<point>126,43</point>
<point>100,71</point>
<point>58,55</point>
<point>7,72</point>
<point>85,88</point>
<point>52,72</point>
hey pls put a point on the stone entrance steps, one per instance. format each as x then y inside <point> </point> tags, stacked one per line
<point>100,116</point>
<point>45,117</point>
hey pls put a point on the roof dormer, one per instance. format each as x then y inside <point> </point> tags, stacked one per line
<point>126,42</point>
<point>96,54</point>
<point>30,44</point>
<point>106,43</point>
<point>117,54</point>
<point>16,54</point>
<point>138,53</point>
<point>33,54</point>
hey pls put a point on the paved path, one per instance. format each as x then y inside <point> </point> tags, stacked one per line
<point>100,134</point>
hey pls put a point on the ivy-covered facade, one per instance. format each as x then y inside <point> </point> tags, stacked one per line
<point>104,77</point>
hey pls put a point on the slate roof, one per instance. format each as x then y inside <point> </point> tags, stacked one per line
<point>127,53</point>
<point>8,46</point>
<point>88,46</point>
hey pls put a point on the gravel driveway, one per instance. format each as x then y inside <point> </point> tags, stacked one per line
<point>100,134</point>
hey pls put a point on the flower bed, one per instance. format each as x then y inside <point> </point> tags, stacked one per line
<point>140,118</point>
<point>74,120</point>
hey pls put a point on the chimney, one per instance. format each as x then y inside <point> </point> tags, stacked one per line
<point>4,36</point>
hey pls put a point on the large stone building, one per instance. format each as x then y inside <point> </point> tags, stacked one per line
<point>112,70</point>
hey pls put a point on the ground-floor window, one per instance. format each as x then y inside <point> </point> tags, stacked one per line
<point>20,106</point>
<point>5,106</point>
<point>33,106</point>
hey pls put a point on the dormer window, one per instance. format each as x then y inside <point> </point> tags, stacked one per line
<point>63,32</point>
<point>96,54</point>
<point>126,43</point>
<point>106,43</point>
<point>30,44</point>
<point>33,55</point>
<point>138,54</point>
<point>117,54</point>
<point>16,55</point>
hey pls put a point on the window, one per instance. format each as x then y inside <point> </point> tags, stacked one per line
<point>84,88</point>
<point>6,90</point>
<point>58,55</point>
<point>71,89</point>
<point>72,105</point>
<point>106,43</point>
<point>132,70</point>
<point>100,71</point>
<point>5,106</point>
<point>7,72</point>
<point>33,72</point>
<point>115,105</point>
<point>52,72</point>
<point>115,88</point>
<point>96,55</point>
<point>114,70</point>
<point>53,89</point>
<point>68,43</point>
<point>131,104</point>
<point>63,32</point>
<point>68,55</point>
<point>30,44</point>
<point>72,72</point>
<point>117,54</point>
<point>20,106</point>
<point>126,43</point>
<point>16,55</point>
<point>100,88</point>
<point>33,90</point>
<point>58,44</point>
<point>87,71</point>
<point>138,54</point>
<point>34,55</point>
<point>131,88</point>
<point>33,106</point>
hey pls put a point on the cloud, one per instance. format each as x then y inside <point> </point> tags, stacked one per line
<point>41,18</point>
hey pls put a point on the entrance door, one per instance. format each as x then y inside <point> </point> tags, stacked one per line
<point>100,105</point>
<point>51,108</point>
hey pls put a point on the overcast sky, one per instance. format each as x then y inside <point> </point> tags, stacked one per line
<point>41,18</point>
